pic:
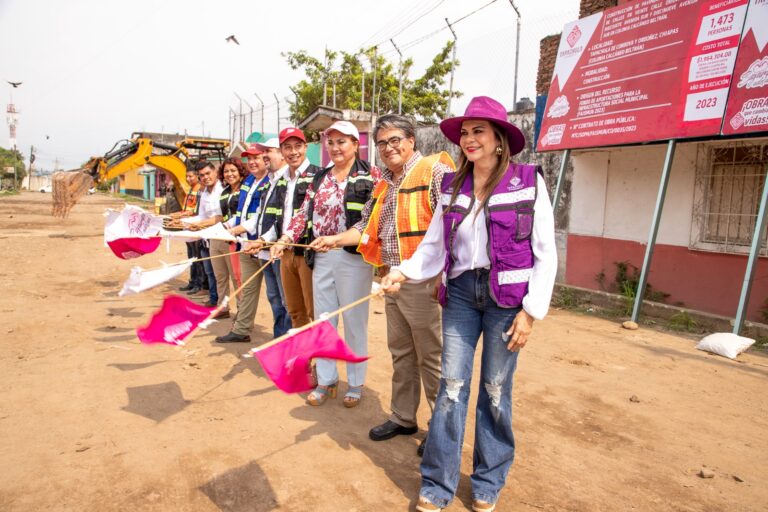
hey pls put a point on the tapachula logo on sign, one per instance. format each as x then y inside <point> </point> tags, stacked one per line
<point>574,36</point>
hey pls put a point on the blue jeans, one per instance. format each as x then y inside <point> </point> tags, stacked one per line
<point>469,312</point>
<point>276,297</point>
<point>213,297</point>
<point>196,271</point>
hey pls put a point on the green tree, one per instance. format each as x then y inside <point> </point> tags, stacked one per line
<point>425,97</point>
<point>10,158</point>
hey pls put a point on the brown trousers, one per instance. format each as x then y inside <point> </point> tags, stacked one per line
<point>297,285</point>
<point>415,342</point>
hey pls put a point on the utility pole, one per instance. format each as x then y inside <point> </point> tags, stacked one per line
<point>240,116</point>
<point>31,161</point>
<point>453,68</point>
<point>278,112</point>
<point>362,87</point>
<point>262,112</point>
<point>517,50</point>
<point>325,78</point>
<point>400,85</point>
<point>373,89</point>
<point>233,127</point>
<point>296,108</point>
<point>251,116</point>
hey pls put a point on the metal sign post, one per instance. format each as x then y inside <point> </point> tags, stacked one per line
<point>654,230</point>
<point>754,253</point>
<point>560,179</point>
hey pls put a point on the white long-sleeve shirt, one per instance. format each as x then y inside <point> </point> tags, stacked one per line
<point>210,202</point>
<point>470,251</point>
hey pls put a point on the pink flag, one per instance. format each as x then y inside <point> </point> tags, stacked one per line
<point>175,321</point>
<point>287,362</point>
<point>132,232</point>
<point>129,248</point>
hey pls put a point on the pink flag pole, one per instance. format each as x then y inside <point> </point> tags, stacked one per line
<point>224,303</point>
<point>323,318</point>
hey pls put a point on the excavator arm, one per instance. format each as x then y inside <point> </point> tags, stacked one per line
<point>138,153</point>
<point>131,155</point>
<point>171,158</point>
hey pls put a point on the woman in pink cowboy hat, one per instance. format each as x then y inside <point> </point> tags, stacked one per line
<point>493,239</point>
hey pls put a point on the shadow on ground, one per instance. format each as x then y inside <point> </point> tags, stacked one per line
<point>243,489</point>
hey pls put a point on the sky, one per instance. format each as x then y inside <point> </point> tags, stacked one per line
<point>94,71</point>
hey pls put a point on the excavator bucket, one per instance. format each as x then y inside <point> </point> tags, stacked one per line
<point>67,188</point>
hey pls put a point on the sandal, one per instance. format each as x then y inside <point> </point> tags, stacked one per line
<point>353,396</point>
<point>321,393</point>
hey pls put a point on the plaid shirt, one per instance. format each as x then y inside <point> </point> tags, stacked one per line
<point>390,250</point>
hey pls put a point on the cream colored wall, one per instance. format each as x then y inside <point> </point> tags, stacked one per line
<point>614,193</point>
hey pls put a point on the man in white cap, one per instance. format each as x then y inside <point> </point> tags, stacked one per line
<point>275,163</point>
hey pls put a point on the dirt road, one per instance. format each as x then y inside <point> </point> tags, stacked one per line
<point>92,420</point>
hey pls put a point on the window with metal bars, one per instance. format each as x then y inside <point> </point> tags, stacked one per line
<point>731,184</point>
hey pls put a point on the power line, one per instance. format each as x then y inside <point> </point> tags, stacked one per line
<point>398,21</point>
<point>438,4</point>
<point>423,38</point>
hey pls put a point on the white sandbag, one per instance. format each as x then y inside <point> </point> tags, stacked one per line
<point>725,344</point>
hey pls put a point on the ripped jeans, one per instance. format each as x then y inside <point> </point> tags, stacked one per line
<point>470,311</point>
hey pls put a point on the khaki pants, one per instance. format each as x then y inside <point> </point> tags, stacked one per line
<point>246,308</point>
<point>297,285</point>
<point>414,340</point>
<point>223,268</point>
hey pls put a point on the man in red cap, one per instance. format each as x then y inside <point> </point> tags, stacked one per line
<point>247,208</point>
<point>283,200</point>
<point>255,163</point>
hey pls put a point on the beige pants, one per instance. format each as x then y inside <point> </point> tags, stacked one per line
<point>223,269</point>
<point>297,285</point>
<point>246,308</point>
<point>415,342</point>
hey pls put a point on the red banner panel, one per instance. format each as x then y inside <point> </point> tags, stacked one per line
<point>643,71</point>
<point>747,109</point>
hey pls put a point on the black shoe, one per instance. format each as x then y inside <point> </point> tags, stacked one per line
<point>234,338</point>
<point>186,288</point>
<point>390,429</point>
<point>420,449</point>
<point>193,290</point>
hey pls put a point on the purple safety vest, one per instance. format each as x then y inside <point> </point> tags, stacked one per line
<point>509,220</point>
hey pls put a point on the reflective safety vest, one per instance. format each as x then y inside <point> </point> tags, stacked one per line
<point>190,202</point>
<point>253,205</point>
<point>356,194</point>
<point>509,216</point>
<point>228,203</point>
<point>413,211</point>
<point>272,214</point>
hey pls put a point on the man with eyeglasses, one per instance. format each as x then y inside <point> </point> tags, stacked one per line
<point>394,222</point>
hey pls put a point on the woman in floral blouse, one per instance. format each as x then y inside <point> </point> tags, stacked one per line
<point>333,204</point>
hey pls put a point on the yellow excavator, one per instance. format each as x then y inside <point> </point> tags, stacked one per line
<point>128,155</point>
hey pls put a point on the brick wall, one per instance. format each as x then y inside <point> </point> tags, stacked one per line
<point>547,56</point>
<point>588,7</point>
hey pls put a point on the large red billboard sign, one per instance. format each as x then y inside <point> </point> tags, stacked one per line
<point>643,71</point>
<point>747,109</point>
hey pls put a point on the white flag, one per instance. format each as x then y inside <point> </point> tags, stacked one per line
<point>215,232</point>
<point>141,280</point>
<point>132,232</point>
